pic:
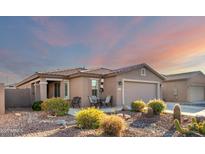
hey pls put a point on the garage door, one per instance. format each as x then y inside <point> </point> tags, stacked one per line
<point>196,93</point>
<point>137,90</point>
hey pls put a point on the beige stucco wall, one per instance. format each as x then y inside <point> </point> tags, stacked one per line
<point>182,87</point>
<point>169,87</point>
<point>135,75</point>
<point>2,99</point>
<point>198,80</point>
<point>112,86</point>
<point>25,86</point>
<point>81,87</point>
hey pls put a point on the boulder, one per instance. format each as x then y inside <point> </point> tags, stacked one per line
<point>61,122</point>
<point>124,116</point>
<point>150,112</point>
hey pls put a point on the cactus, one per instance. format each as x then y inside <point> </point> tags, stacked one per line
<point>177,112</point>
<point>193,128</point>
<point>202,128</point>
<point>193,120</point>
<point>179,128</point>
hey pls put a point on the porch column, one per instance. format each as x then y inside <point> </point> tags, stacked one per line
<point>2,99</point>
<point>62,89</point>
<point>36,92</point>
<point>43,90</point>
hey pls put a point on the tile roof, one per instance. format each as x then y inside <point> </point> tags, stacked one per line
<point>100,71</point>
<point>130,68</point>
<point>63,72</point>
<point>180,76</point>
<point>73,72</point>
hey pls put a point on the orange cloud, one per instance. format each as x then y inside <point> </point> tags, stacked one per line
<point>166,49</point>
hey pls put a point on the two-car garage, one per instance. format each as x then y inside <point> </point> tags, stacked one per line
<point>140,90</point>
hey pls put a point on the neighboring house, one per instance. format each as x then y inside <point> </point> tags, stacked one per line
<point>184,87</point>
<point>124,85</point>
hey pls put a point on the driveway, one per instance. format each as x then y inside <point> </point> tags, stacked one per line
<point>194,108</point>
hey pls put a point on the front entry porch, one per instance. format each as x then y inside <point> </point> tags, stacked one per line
<point>49,88</point>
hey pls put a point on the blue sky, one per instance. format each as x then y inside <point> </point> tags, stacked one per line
<point>30,44</point>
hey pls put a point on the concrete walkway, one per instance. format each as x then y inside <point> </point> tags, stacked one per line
<point>73,111</point>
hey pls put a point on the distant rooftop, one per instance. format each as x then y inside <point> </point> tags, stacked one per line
<point>180,76</point>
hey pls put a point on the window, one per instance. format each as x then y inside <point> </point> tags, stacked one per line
<point>57,89</point>
<point>175,91</point>
<point>66,89</point>
<point>94,87</point>
<point>143,72</point>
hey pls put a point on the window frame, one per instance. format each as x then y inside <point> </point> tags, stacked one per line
<point>95,88</point>
<point>143,72</point>
<point>66,94</point>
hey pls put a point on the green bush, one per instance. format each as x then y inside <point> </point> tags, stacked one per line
<point>55,106</point>
<point>89,118</point>
<point>37,105</point>
<point>157,105</point>
<point>113,125</point>
<point>138,105</point>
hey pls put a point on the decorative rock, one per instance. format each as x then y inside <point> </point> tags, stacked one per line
<point>153,125</point>
<point>71,122</point>
<point>17,114</point>
<point>124,116</point>
<point>61,122</point>
<point>185,120</point>
<point>125,108</point>
<point>200,118</point>
<point>51,116</point>
<point>150,112</point>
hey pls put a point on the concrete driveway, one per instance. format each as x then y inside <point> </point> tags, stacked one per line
<point>194,108</point>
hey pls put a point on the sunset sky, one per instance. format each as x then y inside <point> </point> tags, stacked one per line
<point>168,44</point>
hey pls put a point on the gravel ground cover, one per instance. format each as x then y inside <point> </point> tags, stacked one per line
<point>25,122</point>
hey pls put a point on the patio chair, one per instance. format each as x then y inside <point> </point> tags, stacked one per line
<point>93,101</point>
<point>107,101</point>
<point>76,101</point>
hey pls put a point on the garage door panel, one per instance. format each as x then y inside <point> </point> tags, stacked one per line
<point>136,91</point>
<point>196,93</point>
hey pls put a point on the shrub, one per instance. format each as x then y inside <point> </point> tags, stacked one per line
<point>89,118</point>
<point>113,125</point>
<point>37,105</point>
<point>177,112</point>
<point>55,106</point>
<point>157,105</point>
<point>138,105</point>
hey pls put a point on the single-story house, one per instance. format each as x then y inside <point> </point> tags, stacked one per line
<point>184,87</point>
<point>124,85</point>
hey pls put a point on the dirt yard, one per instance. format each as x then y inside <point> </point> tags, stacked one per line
<point>25,122</point>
